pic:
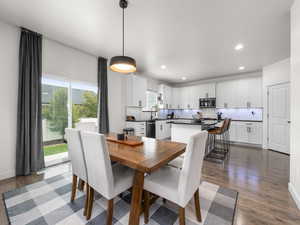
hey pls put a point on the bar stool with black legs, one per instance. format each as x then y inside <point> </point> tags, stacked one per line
<point>227,136</point>
<point>218,141</point>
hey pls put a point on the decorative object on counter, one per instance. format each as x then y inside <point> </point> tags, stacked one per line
<point>129,141</point>
<point>198,117</point>
<point>219,114</point>
<point>130,118</point>
<point>123,64</point>
<point>170,115</point>
<point>121,137</point>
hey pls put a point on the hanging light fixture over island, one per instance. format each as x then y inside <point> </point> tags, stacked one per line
<point>123,64</point>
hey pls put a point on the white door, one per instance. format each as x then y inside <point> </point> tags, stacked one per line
<point>279,117</point>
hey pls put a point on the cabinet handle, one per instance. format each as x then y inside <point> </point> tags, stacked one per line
<point>140,103</point>
<point>225,105</point>
<point>248,104</point>
<point>161,127</point>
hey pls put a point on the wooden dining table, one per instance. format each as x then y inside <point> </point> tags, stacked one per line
<point>146,158</point>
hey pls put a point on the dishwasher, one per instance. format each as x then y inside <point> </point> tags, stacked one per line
<point>150,129</point>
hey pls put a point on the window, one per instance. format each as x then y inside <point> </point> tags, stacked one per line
<point>84,103</point>
<point>151,100</point>
<point>64,104</point>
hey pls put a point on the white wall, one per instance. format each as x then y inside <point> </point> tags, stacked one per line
<point>294,185</point>
<point>116,101</point>
<point>9,45</point>
<point>60,60</point>
<point>276,73</point>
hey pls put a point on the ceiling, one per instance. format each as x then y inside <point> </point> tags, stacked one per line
<point>193,38</point>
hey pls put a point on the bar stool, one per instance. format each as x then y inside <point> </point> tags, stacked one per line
<point>218,138</point>
<point>227,135</point>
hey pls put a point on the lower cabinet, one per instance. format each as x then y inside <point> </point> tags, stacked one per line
<point>162,129</point>
<point>139,128</point>
<point>246,132</point>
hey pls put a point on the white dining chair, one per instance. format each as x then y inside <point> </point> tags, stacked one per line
<point>179,186</point>
<point>77,158</point>
<point>177,162</point>
<point>107,180</point>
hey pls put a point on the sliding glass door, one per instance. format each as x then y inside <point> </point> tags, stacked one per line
<point>64,104</point>
<point>84,104</point>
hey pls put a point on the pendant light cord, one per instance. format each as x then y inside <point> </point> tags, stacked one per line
<point>123,33</point>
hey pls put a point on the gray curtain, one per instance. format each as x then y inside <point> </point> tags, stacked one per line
<point>29,154</point>
<point>102,96</point>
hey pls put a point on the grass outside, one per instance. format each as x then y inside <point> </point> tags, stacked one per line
<point>55,149</point>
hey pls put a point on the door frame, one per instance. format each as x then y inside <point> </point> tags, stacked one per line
<point>268,113</point>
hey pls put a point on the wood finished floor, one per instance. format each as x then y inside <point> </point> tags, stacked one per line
<point>260,176</point>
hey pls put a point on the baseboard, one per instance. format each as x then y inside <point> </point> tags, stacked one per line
<point>7,174</point>
<point>246,144</point>
<point>294,194</point>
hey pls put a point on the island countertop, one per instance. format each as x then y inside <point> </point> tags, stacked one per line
<point>192,122</point>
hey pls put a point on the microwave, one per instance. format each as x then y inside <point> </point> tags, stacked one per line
<point>207,103</point>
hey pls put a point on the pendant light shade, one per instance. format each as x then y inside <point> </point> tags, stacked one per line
<point>123,64</point>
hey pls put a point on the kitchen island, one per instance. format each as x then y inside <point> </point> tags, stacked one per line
<point>181,131</point>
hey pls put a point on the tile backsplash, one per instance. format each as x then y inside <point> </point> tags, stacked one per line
<point>236,114</point>
<point>242,114</point>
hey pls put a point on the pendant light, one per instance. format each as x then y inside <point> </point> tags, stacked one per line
<point>123,64</point>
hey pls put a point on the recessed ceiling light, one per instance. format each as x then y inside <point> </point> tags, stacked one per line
<point>241,68</point>
<point>183,78</point>
<point>239,47</point>
<point>163,67</point>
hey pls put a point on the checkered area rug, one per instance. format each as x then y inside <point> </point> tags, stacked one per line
<point>48,202</point>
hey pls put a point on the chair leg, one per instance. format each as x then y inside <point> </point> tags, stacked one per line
<point>81,185</point>
<point>146,207</point>
<point>74,186</point>
<point>181,216</point>
<point>197,206</point>
<point>90,203</point>
<point>86,199</point>
<point>110,211</point>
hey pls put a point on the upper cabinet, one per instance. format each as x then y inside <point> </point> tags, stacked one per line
<point>136,91</point>
<point>166,93</point>
<point>239,93</point>
<point>242,93</point>
<point>188,97</point>
<point>176,98</point>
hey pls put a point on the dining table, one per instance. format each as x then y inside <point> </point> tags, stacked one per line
<point>149,156</point>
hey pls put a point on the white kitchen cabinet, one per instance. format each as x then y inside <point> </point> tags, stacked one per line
<point>166,93</point>
<point>185,97</point>
<point>162,129</point>
<point>224,94</point>
<point>241,93</point>
<point>136,91</point>
<point>176,98</point>
<point>206,90</point>
<point>246,132</point>
<point>188,97</point>
<point>139,128</point>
